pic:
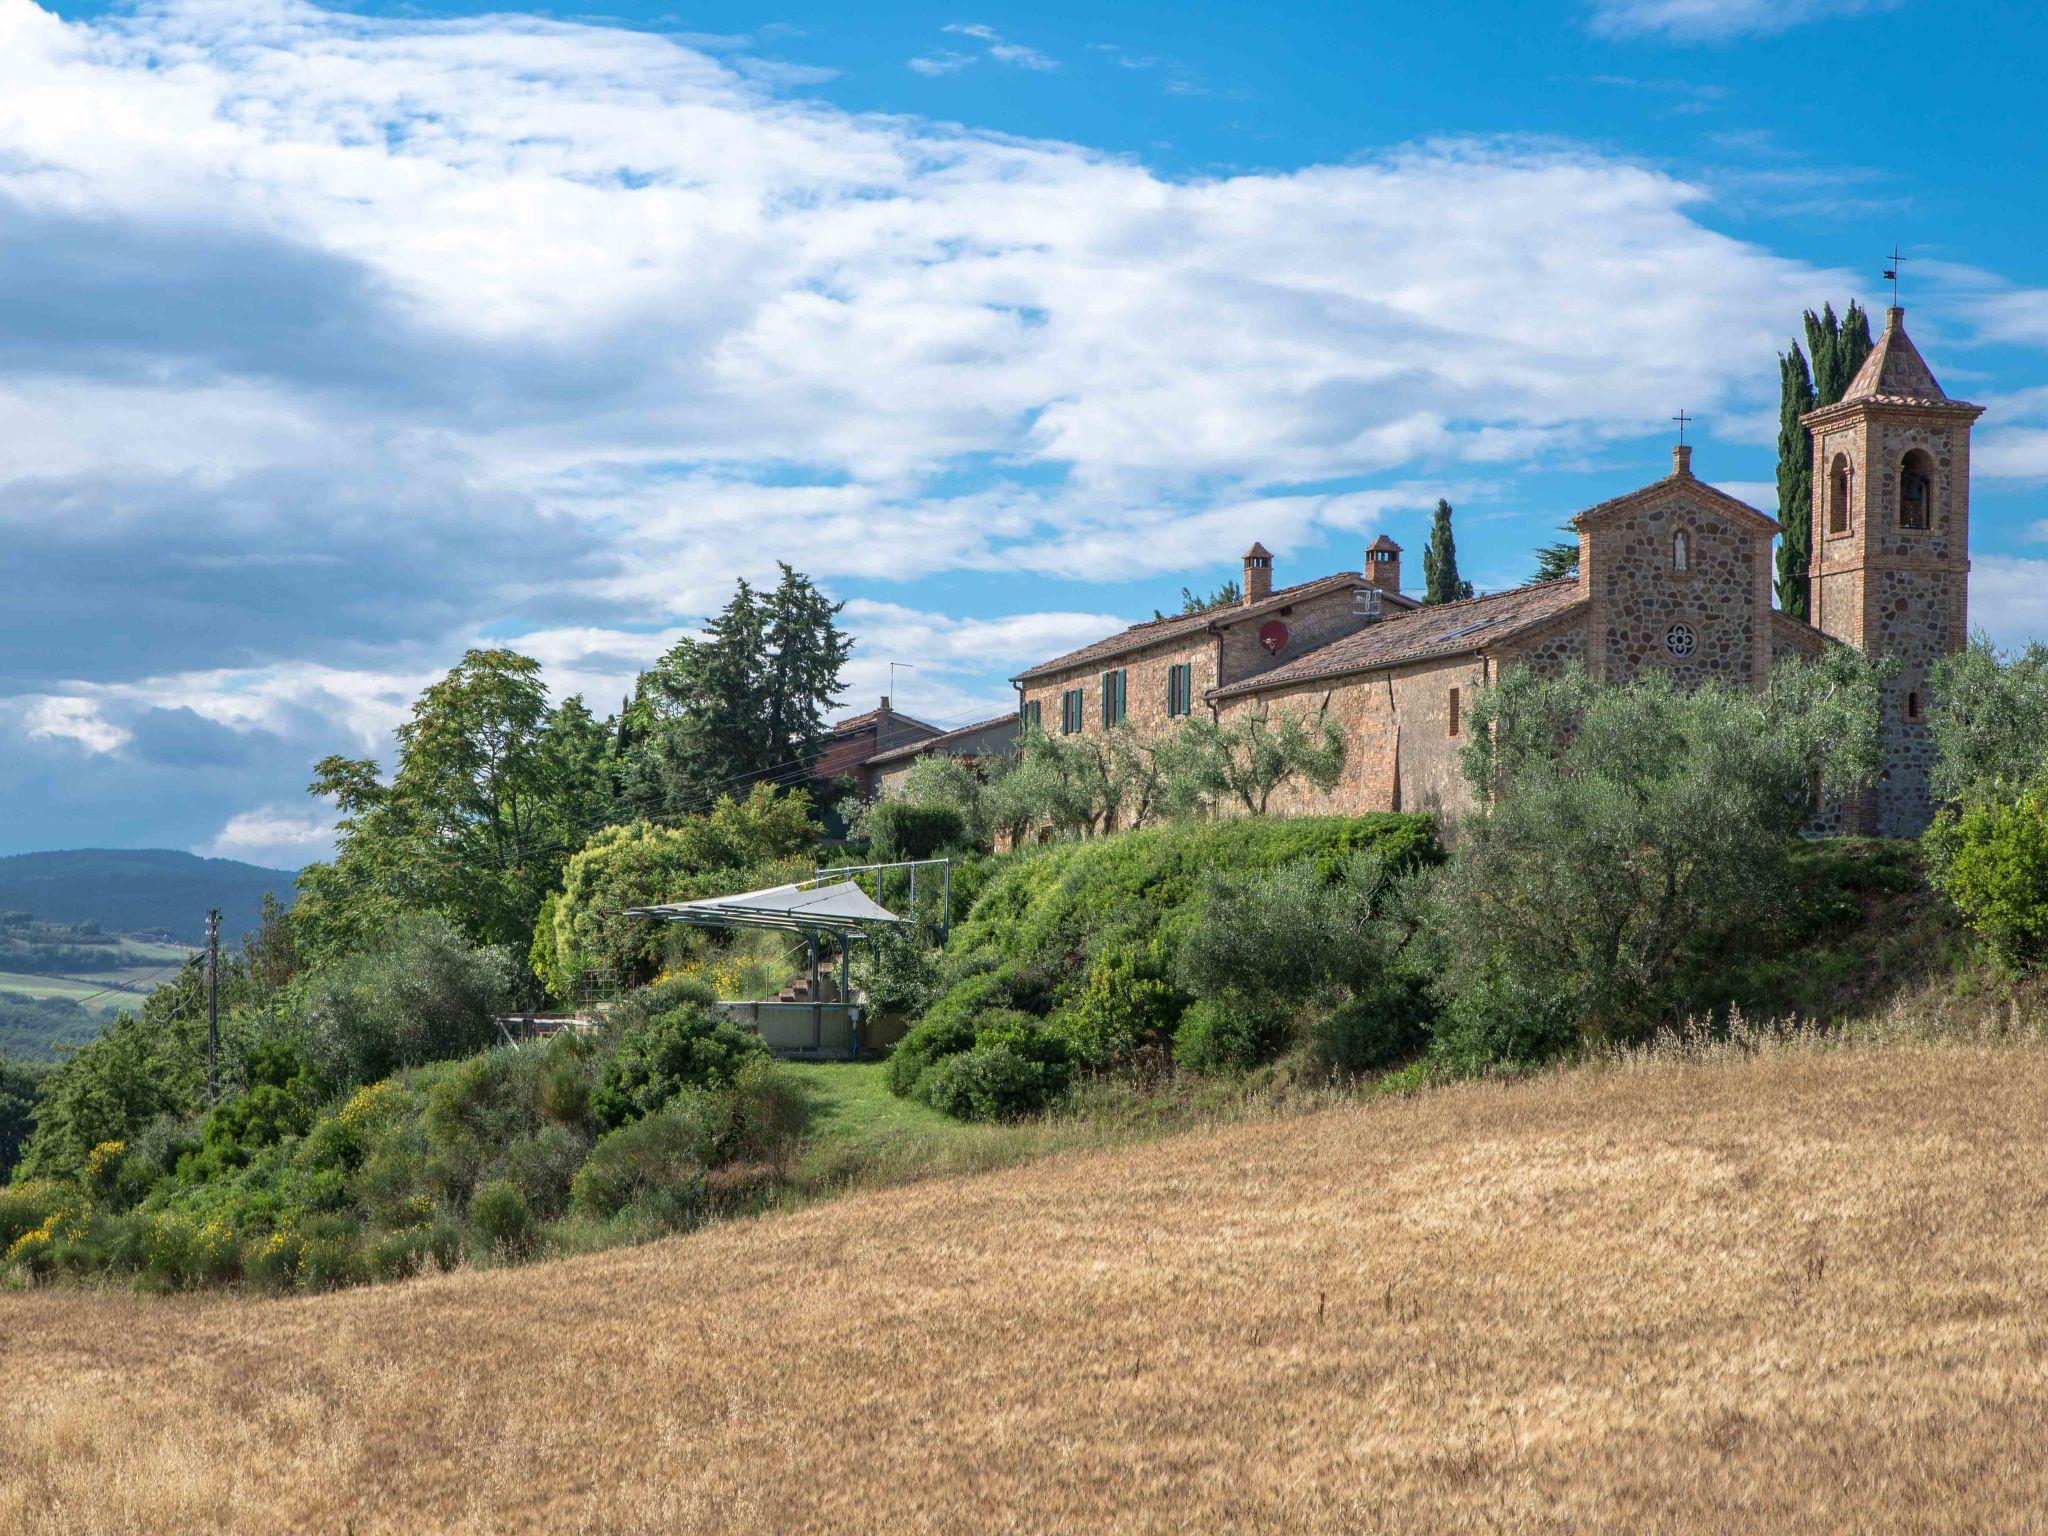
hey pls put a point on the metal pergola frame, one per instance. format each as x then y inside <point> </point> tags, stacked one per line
<point>782,909</point>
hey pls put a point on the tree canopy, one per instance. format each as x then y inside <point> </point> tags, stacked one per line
<point>745,703</point>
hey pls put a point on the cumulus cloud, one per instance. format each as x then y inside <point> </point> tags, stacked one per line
<point>2009,598</point>
<point>285,837</point>
<point>330,343</point>
<point>74,720</point>
<point>1719,20</point>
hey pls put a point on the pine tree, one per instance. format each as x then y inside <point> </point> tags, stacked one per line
<point>1554,562</point>
<point>806,654</point>
<point>744,704</point>
<point>1441,583</point>
<point>1837,348</point>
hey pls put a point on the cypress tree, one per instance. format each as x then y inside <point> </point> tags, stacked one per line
<point>1837,348</point>
<point>1795,482</point>
<point>1441,583</point>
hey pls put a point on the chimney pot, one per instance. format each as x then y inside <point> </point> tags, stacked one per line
<point>1383,565</point>
<point>1258,574</point>
<point>1681,460</point>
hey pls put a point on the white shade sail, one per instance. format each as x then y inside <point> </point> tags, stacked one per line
<point>842,907</point>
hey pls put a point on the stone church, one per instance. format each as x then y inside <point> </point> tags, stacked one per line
<point>1674,577</point>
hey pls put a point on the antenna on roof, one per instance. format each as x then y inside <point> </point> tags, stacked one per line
<point>908,666</point>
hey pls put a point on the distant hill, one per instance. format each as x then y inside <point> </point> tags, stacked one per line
<point>140,890</point>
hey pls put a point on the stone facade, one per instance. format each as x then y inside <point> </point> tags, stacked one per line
<point>1220,648</point>
<point>1679,580</point>
<point>1894,585</point>
<point>1145,674</point>
<point>1401,753</point>
<point>997,737</point>
<point>1674,579</point>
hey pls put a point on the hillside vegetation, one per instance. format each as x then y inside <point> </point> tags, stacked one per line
<point>1792,1291</point>
<point>140,890</point>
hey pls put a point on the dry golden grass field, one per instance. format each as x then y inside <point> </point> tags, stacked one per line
<point>1801,1292</point>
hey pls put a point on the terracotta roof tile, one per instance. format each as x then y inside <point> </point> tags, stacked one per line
<point>934,743</point>
<point>1178,626</point>
<point>1441,629</point>
<point>853,723</point>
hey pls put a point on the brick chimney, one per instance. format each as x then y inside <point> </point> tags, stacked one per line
<point>1681,461</point>
<point>1383,564</point>
<point>885,723</point>
<point>1258,574</point>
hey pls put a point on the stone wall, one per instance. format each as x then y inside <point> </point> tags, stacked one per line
<point>1399,753</point>
<point>1144,684</point>
<point>1311,624</point>
<point>1640,599</point>
<point>1548,649</point>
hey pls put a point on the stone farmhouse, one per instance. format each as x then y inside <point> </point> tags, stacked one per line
<point>1674,577</point>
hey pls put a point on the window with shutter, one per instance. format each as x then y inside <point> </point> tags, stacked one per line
<point>1112,696</point>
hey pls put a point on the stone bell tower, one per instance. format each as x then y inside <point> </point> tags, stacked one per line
<point>1891,548</point>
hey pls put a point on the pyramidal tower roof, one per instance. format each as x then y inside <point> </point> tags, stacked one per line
<point>1895,373</point>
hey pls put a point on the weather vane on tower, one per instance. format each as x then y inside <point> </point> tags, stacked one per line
<point>1891,274</point>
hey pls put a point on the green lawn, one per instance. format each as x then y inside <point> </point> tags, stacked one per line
<point>859,1132</point>
<point>860,1135</point>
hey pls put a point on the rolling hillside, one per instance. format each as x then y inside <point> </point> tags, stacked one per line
<point>140,890</point>
<point>1798,1291</point>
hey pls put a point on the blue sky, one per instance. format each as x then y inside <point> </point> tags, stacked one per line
<point>334,341</point>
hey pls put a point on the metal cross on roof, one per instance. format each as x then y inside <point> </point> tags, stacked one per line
<point>1681,418</point>
<point>1891,275</point>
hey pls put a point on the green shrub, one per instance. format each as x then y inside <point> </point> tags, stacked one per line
<point>501,1217</point>
<point>271,1262</point>
<point>566,1077</point>
<point>277,1102</point>
<point>689,1046</point>
<point>904,829</point>
<point>1126,1004</point>
<point>935,1037</point>
<point>1992,862</point>
<point>1228,1034</point>
<point>897,972</point>
<point>327,1263</point>
<point>423,994</point>
<point>1375,1028</point>
<point>28,1206</point>
<point>413,1251</point>
<point>19,1084</point>
<point>541,1167</point>
<point>763,1114</point>
<point>661,1154</point>
<point>1107,916</point>
<point>1500,1021</point>
<point>990,1082</point>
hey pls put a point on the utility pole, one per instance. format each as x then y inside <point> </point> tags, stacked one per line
<point>213,1006</point>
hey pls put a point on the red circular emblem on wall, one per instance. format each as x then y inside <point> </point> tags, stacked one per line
<point>1273,635</point>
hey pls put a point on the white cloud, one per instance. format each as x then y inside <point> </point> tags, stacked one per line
<point>686,272</point>
<point>279,836</point>
<point>2009,598</point>
<point>355,338</point>
<point>60,718</point>
<point>943,62</point>
<point>1718,20</point>
<point>1001,49</point>
<point>1761,494</point>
